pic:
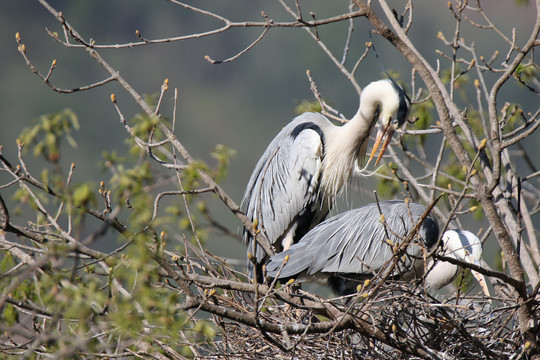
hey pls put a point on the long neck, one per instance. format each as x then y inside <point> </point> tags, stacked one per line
<point>344,145</point>
<point>441,273</point>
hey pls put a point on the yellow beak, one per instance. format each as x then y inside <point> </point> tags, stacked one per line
<point>387,130</point>
<point>481,279</point>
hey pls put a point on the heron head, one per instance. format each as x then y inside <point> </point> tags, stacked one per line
<point>394,109</point>
<point>463,245</point>
<point>467,247</point>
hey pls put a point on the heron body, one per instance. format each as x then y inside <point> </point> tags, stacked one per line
<point>304,168</point>
<point>355,245</point>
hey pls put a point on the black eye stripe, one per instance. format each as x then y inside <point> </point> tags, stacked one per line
<point>404,103</point>
<point>404,107</point>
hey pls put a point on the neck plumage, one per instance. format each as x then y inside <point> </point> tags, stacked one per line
<point>344,146</point>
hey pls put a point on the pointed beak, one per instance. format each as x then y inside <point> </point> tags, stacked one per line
<point>481,279</point>
<point>387,130</point>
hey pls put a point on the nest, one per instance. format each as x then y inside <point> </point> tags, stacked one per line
<point>399,320</point>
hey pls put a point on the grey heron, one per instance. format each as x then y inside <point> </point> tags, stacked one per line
<point>304,168</point>
<point>355,245</point>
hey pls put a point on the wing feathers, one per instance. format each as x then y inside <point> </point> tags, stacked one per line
<point>285,183</point>
<point>355,241</point>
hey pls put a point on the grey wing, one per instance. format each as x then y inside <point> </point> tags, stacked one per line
<point>284,184</point>
<point>353,242</point>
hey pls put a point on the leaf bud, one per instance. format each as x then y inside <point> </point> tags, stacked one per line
<point>482,144</point>
<point>286,260</point>
<point>256,224</point>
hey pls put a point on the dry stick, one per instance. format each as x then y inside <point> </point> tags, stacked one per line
<point>532,120</point>
<point>529,226</point>
<point>235,209</point>
<point>342,320</point>
<point>447,109</point>
<point>492,103</point>
<point>437,167</point>
<point>232,58</point>
<point>521,136</point>
<point>326,109</point>
<point>227,25</point>
<point>30,180</point>
<point>336,62</point>
<point>349,38</point>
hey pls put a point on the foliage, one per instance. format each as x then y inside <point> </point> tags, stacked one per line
<point>307,106</point>
<point>121,269</point>
<point>119,296</point>
<point>48,130</point>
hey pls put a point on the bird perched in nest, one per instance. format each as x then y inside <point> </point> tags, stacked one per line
<point>305,167</point>
<point>359,244</point>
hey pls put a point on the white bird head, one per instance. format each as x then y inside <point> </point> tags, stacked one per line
<point>461,245</point>
<point>394,106</point>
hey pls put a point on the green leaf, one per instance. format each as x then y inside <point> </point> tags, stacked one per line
<point>82,194</point>
<point>9,315</point>
<point>307,106</point>
<point>45,134</point>
<point>222,153</point>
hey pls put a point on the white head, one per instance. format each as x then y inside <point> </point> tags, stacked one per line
<point>388,100</point>
<point>461,245</point>
<point>344,145</point>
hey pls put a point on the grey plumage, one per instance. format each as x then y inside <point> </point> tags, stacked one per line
<point>284,188</point>
<point>304,168</point>
<point>352,246</point>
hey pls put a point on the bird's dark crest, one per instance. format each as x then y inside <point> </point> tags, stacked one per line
<point>404,100</point>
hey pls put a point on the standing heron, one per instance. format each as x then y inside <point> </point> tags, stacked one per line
<point>302,171</point>
<point>356,245</point>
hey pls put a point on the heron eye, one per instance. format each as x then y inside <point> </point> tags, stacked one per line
<point>395,121</point>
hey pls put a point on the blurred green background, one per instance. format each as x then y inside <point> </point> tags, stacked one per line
<point>242,104</point>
